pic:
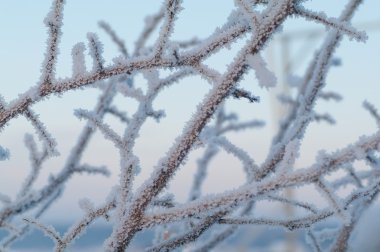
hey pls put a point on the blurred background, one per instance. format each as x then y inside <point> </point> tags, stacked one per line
<point>22,46</point>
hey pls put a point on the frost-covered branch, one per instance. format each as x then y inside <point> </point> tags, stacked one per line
<point>140,75</point>
<point>48,230</point>
<point>54,23</point>
<point>326,165</point>
<point>104,128</point>
<point>123,234</point>
<point>330,22</point>
<point>96,51</point>
<point>151,23</point>
<point>373,111</point>
<point>171,9</point>
<point>32,200</point>
<point>78,228</point>
<point>115,38</point>
<point>44,136</point>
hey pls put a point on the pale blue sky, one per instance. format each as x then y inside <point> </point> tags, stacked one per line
<point>22,44</point>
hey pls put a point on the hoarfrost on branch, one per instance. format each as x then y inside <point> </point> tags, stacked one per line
<point>205,220</point>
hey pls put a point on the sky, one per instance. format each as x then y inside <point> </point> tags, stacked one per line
<point>22,45</point>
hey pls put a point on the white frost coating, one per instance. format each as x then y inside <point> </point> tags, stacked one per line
<point>4,153</point>
<point>113,110</point>
<point>291,154</point>
<point>312,241</point>
<point>86,205</point>
<point>171,9</point>
<point>36,159</point>
<point>326,234</point>
<point>324,117</point>
<point>294,80</point>
<point>128,91</point>
<point>79,64</point>
<point>89,169</point>
<point>115,38</point>
<point>265,77</point>
<point>54,17</point>
<point>103,127</point>
<point>335,202</point>
<point>49,142</point>
<point>298,177</point>
<point>5,199</point>
<point>233,126</point>
<point>152,77</point>
<point>96,51</point>
<point>49,231</point>
<point>330,96</point>
<point>3,104</point>
<point>252,16</point>
<point>373,111</point>
<point>53,21</point>
<point>248,163</point>
<point>286,99</point>
<point>151,21</point>
<point>119,60</point>
<point>132,210</point>
<point>337,24</point>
